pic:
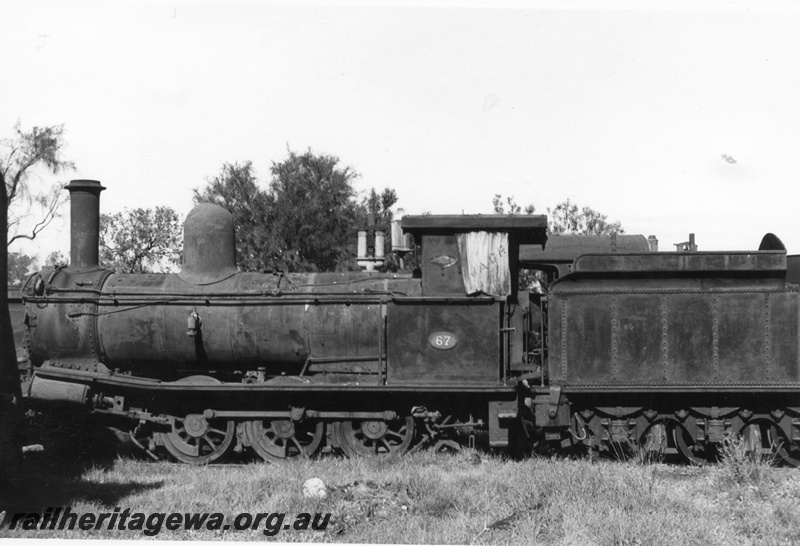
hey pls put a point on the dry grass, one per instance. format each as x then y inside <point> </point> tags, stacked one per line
<point>467,498</point>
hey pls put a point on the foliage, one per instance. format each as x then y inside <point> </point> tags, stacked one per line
<point>19,266</point>
<point>741,463</point>
<point>567,218</point>
<point>513,208</point>
<point>379,205</point>
<point>140,240</point>
<point>56,259</point>
<point>305,221</point>
<point>314,216</point>
<point>39,146</point>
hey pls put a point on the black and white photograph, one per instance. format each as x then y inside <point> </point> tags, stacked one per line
<point>400,272</point>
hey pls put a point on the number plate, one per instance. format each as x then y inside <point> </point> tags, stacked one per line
<point>442,340</point>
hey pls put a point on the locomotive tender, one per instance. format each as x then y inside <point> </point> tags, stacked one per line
<point>627,348</point>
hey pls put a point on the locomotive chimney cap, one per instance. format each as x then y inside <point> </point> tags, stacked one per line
<point>85,184</point>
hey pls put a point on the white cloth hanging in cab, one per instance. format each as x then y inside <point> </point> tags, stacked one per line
<point>484,263</point>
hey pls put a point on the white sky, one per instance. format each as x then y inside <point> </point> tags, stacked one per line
<point>623,109</point>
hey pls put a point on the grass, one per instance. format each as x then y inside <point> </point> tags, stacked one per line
<point>466,498</point>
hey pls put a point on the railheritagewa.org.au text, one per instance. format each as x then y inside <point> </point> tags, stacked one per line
<point>62,518</point>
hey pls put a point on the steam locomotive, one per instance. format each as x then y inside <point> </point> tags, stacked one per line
<point>623,348</point>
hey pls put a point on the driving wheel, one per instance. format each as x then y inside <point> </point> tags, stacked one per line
<point>375,437</point>
<point>283,438</point>
<point>195,440</point>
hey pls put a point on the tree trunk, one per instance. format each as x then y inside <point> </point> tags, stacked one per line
<point>10,392</point>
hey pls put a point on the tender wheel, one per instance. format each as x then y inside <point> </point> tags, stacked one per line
<point>282,439</point>
<point>653,444</point>
<point>686,445</point>
<point>780,445</point>
<point>375,437</point>
<point>754,441</point>
<point>195,440</point>
<point>765,440</point>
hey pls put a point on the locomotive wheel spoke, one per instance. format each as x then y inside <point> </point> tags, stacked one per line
<point>373,438</point>
<point>282,439</point>
<point>200,448</point>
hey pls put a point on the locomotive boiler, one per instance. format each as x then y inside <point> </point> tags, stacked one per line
<point>623,347</point>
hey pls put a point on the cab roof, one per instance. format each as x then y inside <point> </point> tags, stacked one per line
<point>528,229</point>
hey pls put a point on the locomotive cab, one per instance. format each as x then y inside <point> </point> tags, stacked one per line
<point>471,323</point>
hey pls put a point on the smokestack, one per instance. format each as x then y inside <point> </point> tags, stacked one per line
<point>84,212</point>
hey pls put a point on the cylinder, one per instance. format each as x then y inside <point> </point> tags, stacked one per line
<point>58,391</point>
<point>84,196</point>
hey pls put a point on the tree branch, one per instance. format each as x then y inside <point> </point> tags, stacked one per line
<point>49,216</point>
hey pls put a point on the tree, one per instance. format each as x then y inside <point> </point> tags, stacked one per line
<point>140,240</point>
<point>39,146</point>
<point>20,156</point>
<point>566,218</point>
<point>19,267</point>
<point>56,259</point>
<point>314,217</point>
<point>379,205</point>
<point>305,220</point>
<point>513,208</point>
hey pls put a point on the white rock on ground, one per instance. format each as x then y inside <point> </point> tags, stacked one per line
<point>314,488</point>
